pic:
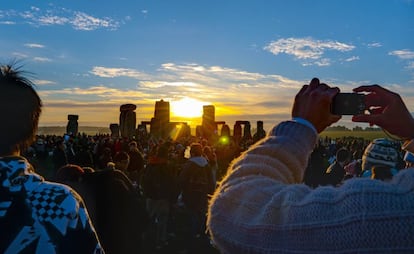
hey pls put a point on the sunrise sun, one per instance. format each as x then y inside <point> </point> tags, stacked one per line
<point>187,107</point>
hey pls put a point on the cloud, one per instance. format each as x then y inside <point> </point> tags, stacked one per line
<point>402,54</point>
<point>106,72</point>
<point>205,83</point>
<point>34,45</point>
<point>7,23</point>
<point>351,59</point>
<point>42,59</point>
<point>83,21</point>
<point>410,65</point>
<point>374,45</point>
<point>58,16</point>
<point>158,84</point>
<point>97,91</point>
<point>19,55</point>
<point>43,82</point>
<point>307,49</point>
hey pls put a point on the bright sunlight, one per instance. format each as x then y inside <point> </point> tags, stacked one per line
<point>187,107</point>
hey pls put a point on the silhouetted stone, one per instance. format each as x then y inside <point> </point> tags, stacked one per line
<point>127,120</point>
<point>260,133</point>
<point>72,126</point>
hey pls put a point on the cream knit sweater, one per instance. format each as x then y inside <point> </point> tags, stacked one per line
<point>261,206</point>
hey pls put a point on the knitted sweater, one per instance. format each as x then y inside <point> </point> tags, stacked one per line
<point>41,217</point>
<point>261,206</point>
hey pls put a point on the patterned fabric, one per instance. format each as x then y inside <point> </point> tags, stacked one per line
<point>380,151</point>
<point>41,217</point>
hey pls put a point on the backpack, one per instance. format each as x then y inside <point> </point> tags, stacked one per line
<point>158,182</point>
<point>197,185</point>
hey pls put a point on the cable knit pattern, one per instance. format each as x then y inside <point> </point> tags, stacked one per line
<point>261,206</point>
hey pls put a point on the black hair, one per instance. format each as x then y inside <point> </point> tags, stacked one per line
<point>121,156</point>
<point>20,108</point>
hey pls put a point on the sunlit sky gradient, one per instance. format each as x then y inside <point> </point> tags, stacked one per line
<point>248,58</point>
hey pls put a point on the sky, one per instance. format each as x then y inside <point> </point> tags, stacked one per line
<point>247,58</point>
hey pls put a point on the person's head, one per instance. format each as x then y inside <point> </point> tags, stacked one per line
<point>60,144</point>
<point>163,151</point>
<point>20,108</point>
<point>196,150</point>
<point>133,146</point>
<point>380,152</point>
<point>121,160</point>
<point>69,173</point>
<point>343,155</point>
<point>381,172</point>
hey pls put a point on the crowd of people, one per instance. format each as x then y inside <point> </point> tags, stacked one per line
<point>171,181</point>
<point>285,193</point>
<point>161,173</point>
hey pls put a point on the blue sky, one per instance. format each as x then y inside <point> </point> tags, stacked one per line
<point>248,58</point>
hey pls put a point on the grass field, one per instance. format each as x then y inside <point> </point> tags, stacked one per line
<point>368,135</point>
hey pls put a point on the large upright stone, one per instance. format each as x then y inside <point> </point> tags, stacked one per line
<point>72,126</point>
<point>127,120</point>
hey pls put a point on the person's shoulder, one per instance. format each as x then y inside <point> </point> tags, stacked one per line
<point>54,199</point>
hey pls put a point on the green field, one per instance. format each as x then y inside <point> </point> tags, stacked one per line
<point>369,135</point>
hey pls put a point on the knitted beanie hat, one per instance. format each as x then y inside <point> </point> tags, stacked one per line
<point>380,151</point>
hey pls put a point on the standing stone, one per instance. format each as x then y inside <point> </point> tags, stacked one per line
<point>72,126</point>
<point>127,120</point>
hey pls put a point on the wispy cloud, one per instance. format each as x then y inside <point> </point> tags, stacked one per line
<point>374,45</point>
<point>402,54</point>
<point>41,59</point>
<point>309,50</point>
<point>83,21</point>
<point>58,16</point>
<point>19,55</point>
<point>106,72</point>
<point>7,23</point>
<point>352,58</point>
<point>406,55</point>
<point>34,45</point>
<point>43,82</point>
<point>210,84</point>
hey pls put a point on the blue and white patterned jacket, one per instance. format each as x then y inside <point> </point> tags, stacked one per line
<point>37,216</point>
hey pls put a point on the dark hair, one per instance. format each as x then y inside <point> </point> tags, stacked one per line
<point>20,108</point>
<point>343,155</point>
<point>121,156</point>
<point>196,149</point>
<point>69,172</point>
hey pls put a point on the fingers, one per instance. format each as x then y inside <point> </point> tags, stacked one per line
<point>371,119</point>
<point>375,89</point>
<point>314,83</point>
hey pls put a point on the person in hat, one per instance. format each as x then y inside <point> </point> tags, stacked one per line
<point>382,155</point>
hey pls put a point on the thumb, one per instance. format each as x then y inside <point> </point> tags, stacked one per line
<point>371,119</point>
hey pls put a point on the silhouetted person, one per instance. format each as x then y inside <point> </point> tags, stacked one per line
<point>59,156</point>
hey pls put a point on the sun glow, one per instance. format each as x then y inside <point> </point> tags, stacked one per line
<point>187,107</point>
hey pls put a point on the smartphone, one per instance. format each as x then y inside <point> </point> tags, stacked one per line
<point>348,104</point>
